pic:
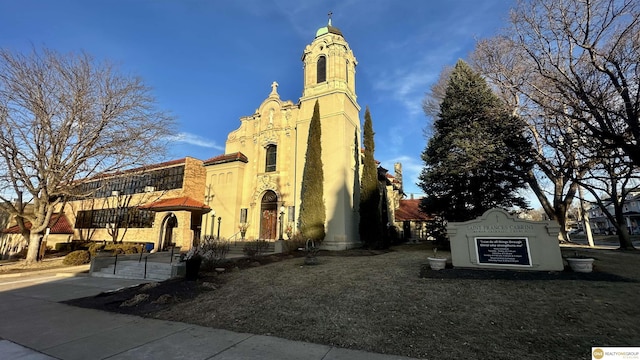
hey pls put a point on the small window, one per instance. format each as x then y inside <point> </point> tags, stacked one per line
<point>272,151</point>
<point>322,69</point>
<point>346,73</point>
<point>243,215</point>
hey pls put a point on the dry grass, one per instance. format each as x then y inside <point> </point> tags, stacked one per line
<point>21,266</point>
<point>380,304</point>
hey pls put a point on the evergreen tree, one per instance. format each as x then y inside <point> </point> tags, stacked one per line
<point>476,158</point>
<point>312,208</point>
<point>371,229</point>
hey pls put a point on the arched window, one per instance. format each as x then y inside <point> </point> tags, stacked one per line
<point>322,69</point>
<point>272,152</point>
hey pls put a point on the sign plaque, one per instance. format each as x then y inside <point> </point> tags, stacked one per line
<point>510,251</point>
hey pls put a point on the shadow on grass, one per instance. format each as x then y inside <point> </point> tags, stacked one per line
<point>488,274</point>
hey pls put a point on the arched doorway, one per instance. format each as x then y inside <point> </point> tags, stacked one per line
<point>269,216</point>
<point>166,236</point>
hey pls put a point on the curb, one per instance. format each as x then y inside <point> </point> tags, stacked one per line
<point>60,271</point>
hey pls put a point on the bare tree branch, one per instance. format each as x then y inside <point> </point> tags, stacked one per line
<point>65,117</point>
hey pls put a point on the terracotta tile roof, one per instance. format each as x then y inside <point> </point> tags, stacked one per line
<point>225,158</point>
<point>135,170</point>
<point>59,224</point>
<point>409,210</point>
<point>176,204</point>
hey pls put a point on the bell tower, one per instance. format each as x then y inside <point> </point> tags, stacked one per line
<point>329,64</point>
<point>329,78</point>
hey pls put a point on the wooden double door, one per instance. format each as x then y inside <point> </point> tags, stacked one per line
<point>269,216</point>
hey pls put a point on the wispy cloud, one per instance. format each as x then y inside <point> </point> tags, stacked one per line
<point>195,140</point>
<point>409,84</point>
<point>421,54</point>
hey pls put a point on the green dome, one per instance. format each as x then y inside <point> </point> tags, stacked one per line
<point>328,29</point>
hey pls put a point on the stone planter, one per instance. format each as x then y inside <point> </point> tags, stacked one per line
<point>437,263</point>
<point>582,265</point>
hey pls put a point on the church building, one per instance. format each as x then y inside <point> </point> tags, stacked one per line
<point>252,191</point>
<point>254,188</point>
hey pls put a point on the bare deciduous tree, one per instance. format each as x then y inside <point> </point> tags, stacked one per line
<point>584,54</point>
<point>64,117</point>
<point>433,98</point>
<point>552,177</point>
<point>611,183</point>
<point>560,67</point>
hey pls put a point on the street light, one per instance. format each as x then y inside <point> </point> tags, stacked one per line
<point>208,199</point>
<point>219,220</point>
<point>281,218</point>
<point>213,220</point>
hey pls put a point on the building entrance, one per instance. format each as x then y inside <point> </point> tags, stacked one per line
<point>269,216</point>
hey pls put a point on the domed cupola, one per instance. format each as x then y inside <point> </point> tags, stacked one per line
<point>329,64</point>
<point>328,29</point>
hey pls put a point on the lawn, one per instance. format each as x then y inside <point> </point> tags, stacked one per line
<point>380,303</point>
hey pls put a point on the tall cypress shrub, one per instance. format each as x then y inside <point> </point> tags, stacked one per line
<point>312,208</point>
<point>371,229</point>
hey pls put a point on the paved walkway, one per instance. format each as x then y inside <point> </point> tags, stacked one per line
<point>34,325</point>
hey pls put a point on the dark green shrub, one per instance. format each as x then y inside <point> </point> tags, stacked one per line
<point>295,243</point>
<point>213,252</point>
<point>124,248</point>
<point>129,248</point>
<point>83,244</point>
<point>60,247</point>
<point>78,257</point>
<point>95,247</point>
<point>132,249</point>
<point>255,248</point>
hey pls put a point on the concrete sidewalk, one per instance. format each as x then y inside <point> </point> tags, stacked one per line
<point>35,325</point>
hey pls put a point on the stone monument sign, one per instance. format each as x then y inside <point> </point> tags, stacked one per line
<point>497,240</point>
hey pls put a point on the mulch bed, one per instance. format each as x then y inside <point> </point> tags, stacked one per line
<point>149,298</point>
<point>143,299</point>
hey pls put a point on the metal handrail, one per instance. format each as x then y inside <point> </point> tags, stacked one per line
<point>234,238</point>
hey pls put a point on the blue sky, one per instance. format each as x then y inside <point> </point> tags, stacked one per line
<point>212,62</point>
